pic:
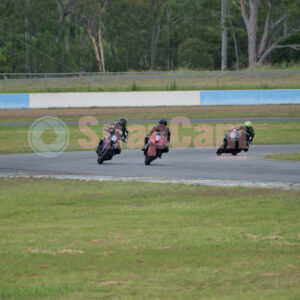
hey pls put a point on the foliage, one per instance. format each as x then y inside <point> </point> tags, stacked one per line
<point>168,34</point>
<point>193,55</point>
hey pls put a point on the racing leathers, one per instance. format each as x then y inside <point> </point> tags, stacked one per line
<point>120,131</point>
<point>249,134</point>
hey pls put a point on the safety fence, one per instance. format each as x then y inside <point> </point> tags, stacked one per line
<point>148,81</point>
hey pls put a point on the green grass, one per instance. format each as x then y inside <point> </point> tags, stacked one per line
<point>205,80</point>
<point>154,113</point>
<point>14,139</point>
<point>91,240</point>
<point>285,156</point>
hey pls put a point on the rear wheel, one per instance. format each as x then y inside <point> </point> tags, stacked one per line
<point>236,152</point>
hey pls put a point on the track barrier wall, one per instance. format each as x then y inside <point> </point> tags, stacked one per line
<point>14,100</point>
<point>250,97</point>
<point>127,99</point>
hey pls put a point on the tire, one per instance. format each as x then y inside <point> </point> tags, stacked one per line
<point>219,151</point>
<point>236,152</point>
<point>103,156</point>
<point>148,160</point>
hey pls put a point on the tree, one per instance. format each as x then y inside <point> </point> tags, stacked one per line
<point>65,10</point>
<point>224,5</point>
<point>27,37</point>
<point>193,54</point>
<point>157,8</point>
<point>123,35</point>
<point>91,13</point>
<point>281,21</point>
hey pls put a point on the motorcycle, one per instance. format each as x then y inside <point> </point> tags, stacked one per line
<point>234,142</point>
<point>107,149</point>
<point>155,144</point>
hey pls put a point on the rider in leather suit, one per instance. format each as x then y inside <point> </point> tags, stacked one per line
<point>164,130</point>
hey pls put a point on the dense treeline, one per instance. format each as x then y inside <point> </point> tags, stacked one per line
<point>124,35</point>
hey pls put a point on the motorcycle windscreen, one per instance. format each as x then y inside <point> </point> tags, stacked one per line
<point>157,138</point>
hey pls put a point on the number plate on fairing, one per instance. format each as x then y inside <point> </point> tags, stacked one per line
<point>113,138</point>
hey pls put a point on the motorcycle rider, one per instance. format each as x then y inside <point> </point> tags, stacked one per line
<point>248,128</point>
<point>164,131</point>
<point>119,126</point>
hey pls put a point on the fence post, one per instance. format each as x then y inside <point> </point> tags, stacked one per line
<point>46,82</point>
<point>260,78</point>
<point>217,80</point>
<point>4,83</point>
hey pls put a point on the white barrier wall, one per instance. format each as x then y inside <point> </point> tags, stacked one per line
<point>172,98</point>
<point>114,99</point>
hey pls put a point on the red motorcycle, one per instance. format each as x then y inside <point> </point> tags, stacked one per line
<point>155,144</point>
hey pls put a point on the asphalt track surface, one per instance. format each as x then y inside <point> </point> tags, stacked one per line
<point>190,165</point>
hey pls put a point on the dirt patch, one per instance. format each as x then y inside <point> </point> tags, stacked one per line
<point>91,268</point>
<point>97,241</point>
<point>109,253</point>
<point>43,266</point>
<point>63,251</point>
<point>291,267</point>
<point>38,251</point>
<point>247,263</point>
<point>247,235</point>
<point>286,243</point>
<point>115,282</point>
<point>269,274</point>
<point>69,251</point>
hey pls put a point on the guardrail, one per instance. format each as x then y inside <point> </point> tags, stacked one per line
<point>147,81</point>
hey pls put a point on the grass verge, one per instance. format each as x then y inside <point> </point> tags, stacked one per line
<point>285,156</point>
<point>91,240</point>
<point>153,113</point>
<point>14,139</point>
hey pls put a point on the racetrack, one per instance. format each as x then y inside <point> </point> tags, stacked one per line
<point>191,165</point>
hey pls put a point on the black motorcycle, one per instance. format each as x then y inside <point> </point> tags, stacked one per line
<point>106,149</point>
<point>234,142</point>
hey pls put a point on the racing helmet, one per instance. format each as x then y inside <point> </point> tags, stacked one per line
<point>248,124</point>
<point>163,122</point>
<point>122,122</point>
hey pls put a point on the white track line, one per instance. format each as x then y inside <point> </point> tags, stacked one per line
<point>223,183</point>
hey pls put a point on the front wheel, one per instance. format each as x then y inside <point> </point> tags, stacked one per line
<point>219,151</point>
<point>103,156</point>
<point>148,160</point>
